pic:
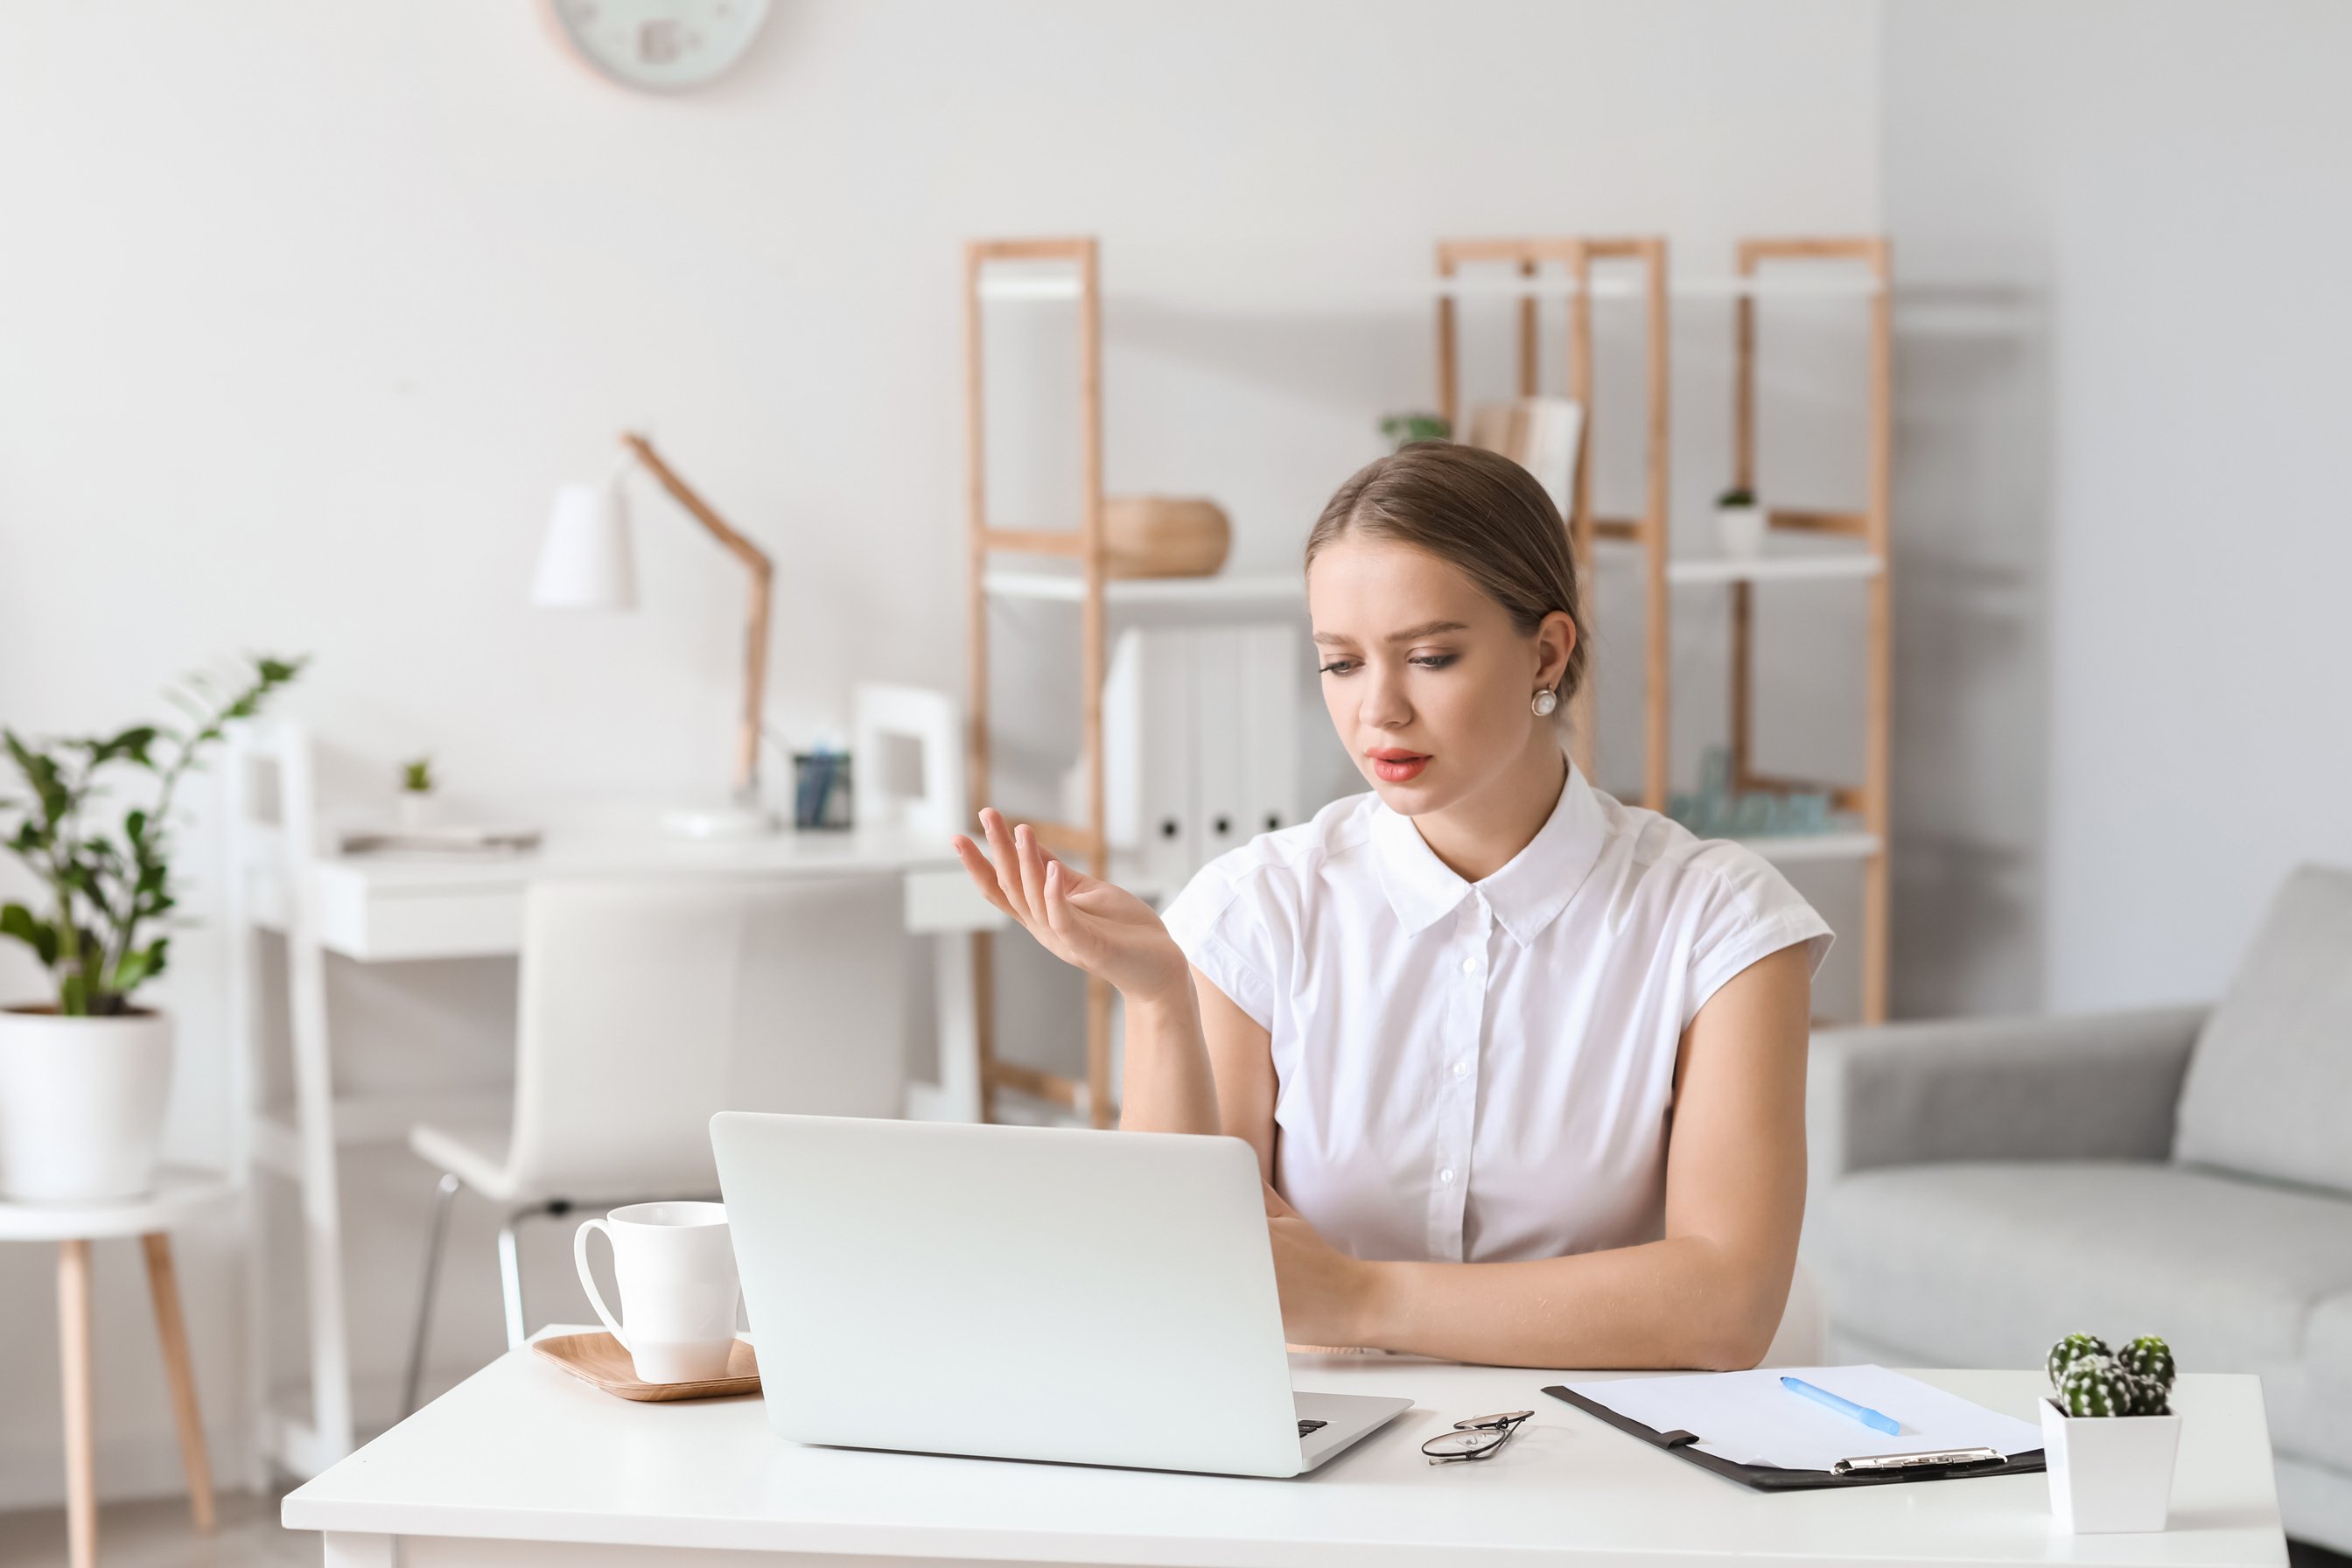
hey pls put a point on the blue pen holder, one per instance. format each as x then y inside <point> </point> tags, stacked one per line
<point>821,792</point>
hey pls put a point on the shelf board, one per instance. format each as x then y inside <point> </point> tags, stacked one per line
<point>1783,848</point>
<point>1823,567</point>
<point>1280,591</point>
<point>1012,282</point>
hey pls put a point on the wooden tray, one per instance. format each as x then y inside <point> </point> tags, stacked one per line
<point>598,1358</point>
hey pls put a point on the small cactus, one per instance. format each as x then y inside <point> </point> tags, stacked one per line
<point>2092,1386</point>
<point>2142,1395</point>
<point>2069,1351</point>
<point>2092,1380</point>
<point>2150,1358</point>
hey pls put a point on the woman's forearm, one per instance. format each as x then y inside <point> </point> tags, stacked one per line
<point>1687,1302</point>
<point>1169,1086</point>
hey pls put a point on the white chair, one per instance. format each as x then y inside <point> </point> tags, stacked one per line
<point>645,1007</point>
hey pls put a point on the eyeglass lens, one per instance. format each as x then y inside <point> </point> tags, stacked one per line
<point>1475,1437</point>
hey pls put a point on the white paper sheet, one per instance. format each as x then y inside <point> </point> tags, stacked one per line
<point>1748,1417</point>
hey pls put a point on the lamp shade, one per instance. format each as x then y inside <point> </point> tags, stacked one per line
<point>585,564</point>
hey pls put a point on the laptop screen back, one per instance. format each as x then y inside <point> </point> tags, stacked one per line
<point>1099,1298</point>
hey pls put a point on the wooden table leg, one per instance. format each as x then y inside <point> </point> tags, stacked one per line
<point>73,1347</point>
<point>163,1283</point>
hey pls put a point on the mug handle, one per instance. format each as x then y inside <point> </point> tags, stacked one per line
<point>588,1281</point>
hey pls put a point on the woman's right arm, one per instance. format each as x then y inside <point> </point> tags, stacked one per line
<point>1113,935</point>
<point>1195,1061</point>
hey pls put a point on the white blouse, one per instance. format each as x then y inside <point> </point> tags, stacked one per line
<point>1477,1072</point>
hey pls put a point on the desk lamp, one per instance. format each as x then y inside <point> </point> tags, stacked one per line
<point>586,563</point>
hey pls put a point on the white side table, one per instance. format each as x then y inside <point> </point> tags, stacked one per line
<point>179,1197</point>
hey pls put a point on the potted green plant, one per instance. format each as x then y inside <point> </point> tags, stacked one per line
<point>416,800</point>
<point>84,1076</point>
<point>1402,430</point>
<point>2109,1434</point>
<point>1739,523</point>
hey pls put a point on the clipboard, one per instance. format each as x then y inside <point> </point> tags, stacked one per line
<point>1771,1478</point>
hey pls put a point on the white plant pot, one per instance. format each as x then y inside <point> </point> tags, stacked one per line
<point>419,809</point>
<point>1740,531</point>
<point>2109,1473</point>
<point>81,1104</point>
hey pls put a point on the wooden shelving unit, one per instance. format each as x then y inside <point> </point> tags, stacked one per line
<point>1871,565</point>
<point>1085,843</point>
<point>1580,270</point>
<point>1574,279</point>
<point>1648,531</point>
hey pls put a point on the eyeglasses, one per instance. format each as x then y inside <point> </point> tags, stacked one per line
<point>1476,1438</point>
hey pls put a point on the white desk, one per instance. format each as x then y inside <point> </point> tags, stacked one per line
<point>388,909</point>
<point>524,1463</point>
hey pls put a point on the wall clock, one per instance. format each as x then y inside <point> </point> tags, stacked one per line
<point>661,45</point>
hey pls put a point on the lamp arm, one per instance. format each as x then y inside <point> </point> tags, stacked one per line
<point>755,650</point>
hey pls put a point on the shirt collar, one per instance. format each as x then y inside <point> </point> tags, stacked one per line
<point>1525,895</point>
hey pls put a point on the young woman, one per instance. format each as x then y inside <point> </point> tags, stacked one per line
<point>1524,1066</point>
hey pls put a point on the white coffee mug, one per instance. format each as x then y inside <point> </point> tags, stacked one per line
<point>675,1264</point>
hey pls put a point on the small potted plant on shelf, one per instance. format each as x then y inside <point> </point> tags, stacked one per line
<point>416,800</point>
<point>1402,430</point>
<point>2109,1434</point>
<point>84,1076</point>
<point>1739,523</point>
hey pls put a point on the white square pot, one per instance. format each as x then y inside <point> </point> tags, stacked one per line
<point>2110,1473</point>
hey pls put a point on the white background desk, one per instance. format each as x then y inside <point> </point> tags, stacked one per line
<point>524,1463</point>
<point>388,909</point>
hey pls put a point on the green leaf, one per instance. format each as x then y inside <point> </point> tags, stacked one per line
<point>38,934</point>
<point>73,996</point>
<point>138,967</point>
<point>130,745</point>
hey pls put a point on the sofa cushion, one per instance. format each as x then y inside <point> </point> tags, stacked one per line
<point>2269,1090</point>
<point>1985,1264</point>
<point>2327,1346</point>
<point>2311,1402</point>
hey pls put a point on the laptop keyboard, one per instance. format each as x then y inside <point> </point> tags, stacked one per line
<point>1306,1426</point>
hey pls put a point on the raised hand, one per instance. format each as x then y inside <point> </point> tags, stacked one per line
<point>1094,925</point>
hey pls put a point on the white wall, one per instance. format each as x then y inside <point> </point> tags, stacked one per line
<point>305,310</point>
<point>2144,694</point>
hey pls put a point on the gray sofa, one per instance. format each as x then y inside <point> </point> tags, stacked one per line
<point>1978,1188</point>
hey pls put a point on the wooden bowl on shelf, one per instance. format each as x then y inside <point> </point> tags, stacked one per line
<point>1164,536</point>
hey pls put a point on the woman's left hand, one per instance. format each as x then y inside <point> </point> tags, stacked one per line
<point>1323,1290</point>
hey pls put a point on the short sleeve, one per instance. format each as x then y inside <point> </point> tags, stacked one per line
<point>1750,913</point>
<point>1218,922</point>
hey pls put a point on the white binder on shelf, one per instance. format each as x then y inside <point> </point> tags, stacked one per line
<point>1148,806</point>
<point>1539,433</point>
<point>1273,658</point>
<point>1221,818</point>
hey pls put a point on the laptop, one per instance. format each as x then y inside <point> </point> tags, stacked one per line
<point>1020,1293</point>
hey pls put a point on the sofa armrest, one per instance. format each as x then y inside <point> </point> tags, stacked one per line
<point>2100,1086</point>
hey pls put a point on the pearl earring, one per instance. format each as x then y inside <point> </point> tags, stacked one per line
<point>1546,700</point>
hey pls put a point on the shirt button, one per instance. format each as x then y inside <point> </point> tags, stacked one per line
<point>1446,1175</point>
<point>1460,1069</point>
<point>1469,966</point>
